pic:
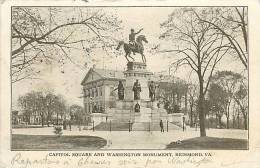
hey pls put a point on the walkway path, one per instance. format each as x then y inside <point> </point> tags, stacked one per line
<point>138,139</point>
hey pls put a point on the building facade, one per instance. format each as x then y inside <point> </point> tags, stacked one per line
<point>100,90</point>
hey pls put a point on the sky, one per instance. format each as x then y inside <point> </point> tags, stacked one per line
<point>68,83</point>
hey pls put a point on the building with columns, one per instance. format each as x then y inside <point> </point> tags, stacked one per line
<point>100,91</point>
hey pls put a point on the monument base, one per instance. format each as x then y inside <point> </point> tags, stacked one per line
<point>137,71</point>
<point>148,117</point>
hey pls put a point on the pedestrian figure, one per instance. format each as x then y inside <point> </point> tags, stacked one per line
<point>70,124</point>
<point>64,125</point>
<point>183,124</point>
<point>161,126</point>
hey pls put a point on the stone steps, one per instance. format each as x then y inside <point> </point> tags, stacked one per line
<point>146,114</point>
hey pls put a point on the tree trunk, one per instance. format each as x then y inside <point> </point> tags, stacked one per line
<point>201,109</point>
<point>48,117</point>
<point>42,121</point>
<point>216,120</point>
<point>238,122</point>
<point>57,118</point>
<point>233,122</point>
<point>191,117</point>
<point>28,119</point>
<point>228,105</point>
<point>228,122</point>
<point>219,121</point>
<point>245,120</point>
<point>243,110</point>
<point>186,104</point>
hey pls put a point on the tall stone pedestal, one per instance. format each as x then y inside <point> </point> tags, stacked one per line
<point>137,70</point>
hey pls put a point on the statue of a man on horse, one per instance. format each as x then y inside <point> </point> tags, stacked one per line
<point>134,46</point>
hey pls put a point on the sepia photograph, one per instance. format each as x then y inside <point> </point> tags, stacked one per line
<point>129,78</point>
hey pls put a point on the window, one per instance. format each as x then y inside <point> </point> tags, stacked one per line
<point>87,93</point>
<point>86,107</point>
<point>111,91</point>
<point>102,108</point>
<point>100,91</point>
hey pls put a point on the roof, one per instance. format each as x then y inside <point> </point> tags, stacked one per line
<point>111,74</point>
<point>105,74</point>
<point>165,78</point>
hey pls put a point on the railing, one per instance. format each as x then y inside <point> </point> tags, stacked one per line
<point>130,126</point>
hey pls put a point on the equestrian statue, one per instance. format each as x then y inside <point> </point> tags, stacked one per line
<point>134,46</point>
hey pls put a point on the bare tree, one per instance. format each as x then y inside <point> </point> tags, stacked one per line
<point>197,46</point>
<point>43,35</point>
<point>232,23</point>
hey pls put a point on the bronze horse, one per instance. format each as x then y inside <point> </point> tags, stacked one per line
<point>138,48</point>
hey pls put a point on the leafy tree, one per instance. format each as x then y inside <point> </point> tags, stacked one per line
<point>229,81</point>
<point>241,98</point>
<point>197,46</point>
<point>42,35</point>
<point>59,107</point>
<point>50,104</point>
<point>77,112</point>
<point>218,99</point>
<point>23,103</point>
<point>43,105</point>
<point>33,104</point>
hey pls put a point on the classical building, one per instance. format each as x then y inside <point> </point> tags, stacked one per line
<point>100,90</point>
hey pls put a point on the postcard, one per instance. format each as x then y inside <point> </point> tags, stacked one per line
<point>129,84</point>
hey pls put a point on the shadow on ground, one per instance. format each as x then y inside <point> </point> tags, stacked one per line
<point>52,142</point>
<point>211,143</point>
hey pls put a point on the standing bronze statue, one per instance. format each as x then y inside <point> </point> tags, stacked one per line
<point>137,108</point>
<point>152,88</point>
<point>121,90</point>
<point>134,46</point>
<point>137,89</point>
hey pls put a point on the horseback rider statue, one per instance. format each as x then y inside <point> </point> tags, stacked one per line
<point>132,41</point>
<point>135,45</point>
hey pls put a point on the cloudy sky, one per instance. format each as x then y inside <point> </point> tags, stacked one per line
<point>68,83</point>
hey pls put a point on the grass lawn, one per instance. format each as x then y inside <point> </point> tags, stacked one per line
<point>210,143</point>
<point>52,142</point>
